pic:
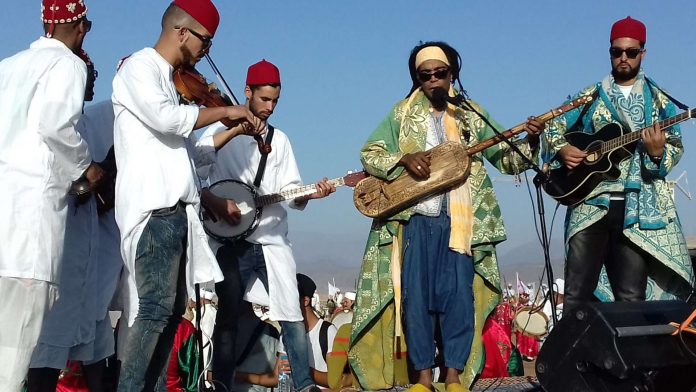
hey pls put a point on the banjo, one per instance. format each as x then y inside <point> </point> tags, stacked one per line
<point>251,204</point>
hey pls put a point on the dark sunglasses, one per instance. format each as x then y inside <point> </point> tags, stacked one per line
<point>207,41</point>
<point>88,24</point>
<point>631,53</point>
<point>424,76</point>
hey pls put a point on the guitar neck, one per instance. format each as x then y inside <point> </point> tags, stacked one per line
<point>551,114</point>
<point>634,136</point>
<point>294,193</point>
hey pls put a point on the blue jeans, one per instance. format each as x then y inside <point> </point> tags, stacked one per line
<point>160,275</point>
<point>436,286</point>
<point>237,263</point>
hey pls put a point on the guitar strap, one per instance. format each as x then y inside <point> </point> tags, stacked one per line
<point>674,100</point>
<point>264,158</point>
<point>578,123</point>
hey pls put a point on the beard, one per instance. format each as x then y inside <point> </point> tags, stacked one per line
<point>189,58</point>
<point>261,114</point>
<point>621,75</point>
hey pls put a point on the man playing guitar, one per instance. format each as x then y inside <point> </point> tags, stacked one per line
<point>266,251</point>
<point>628,225</point>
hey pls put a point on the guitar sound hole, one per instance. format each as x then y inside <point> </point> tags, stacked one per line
<point>592,158</point>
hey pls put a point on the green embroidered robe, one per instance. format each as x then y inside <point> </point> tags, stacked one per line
<point>373,347</point>
<point>651,220</point>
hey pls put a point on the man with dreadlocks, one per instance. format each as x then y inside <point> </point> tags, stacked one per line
<point>447,242</point>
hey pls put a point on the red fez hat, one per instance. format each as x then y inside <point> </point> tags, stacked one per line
<point>203,11</point>
<point>628,28</point>
<point>62,11</point>
<point>263,73</point>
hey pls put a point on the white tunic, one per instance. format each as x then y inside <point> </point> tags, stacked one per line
<point>239,160</point>
<point>151,142</point>
<point>41,95</point>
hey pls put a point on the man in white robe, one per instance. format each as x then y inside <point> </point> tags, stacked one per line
<point>77,327</point>
<point>41,154</point>
<point>163,244</point>
<point>267,251</point>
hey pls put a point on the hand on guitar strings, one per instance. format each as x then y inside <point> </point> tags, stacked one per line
<point>654,141</point>
<point>221,208</point>
<point>417,164</point>
<point>571,156</point>
<point>323,189</point>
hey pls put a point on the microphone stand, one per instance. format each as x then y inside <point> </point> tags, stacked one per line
<point>540,179</point>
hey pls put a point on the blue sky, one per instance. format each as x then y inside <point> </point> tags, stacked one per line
<point>344,64</point>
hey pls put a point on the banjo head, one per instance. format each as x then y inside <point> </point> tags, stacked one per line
<point>243,195</point>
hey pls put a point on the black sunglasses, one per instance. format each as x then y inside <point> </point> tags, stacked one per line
<point>207,41</point>
<point>88,24</point>
<point>631,53</point>
<point>424,76</point>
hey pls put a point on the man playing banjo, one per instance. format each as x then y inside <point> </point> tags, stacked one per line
<point>266,250</point>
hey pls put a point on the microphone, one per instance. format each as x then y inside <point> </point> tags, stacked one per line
<point>440,94</point>
<point>457,100</point>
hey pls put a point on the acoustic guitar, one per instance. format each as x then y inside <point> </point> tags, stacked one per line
<point>450,164</point>
<point>605,149</point>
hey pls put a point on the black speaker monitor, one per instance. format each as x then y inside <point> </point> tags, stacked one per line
<point>619,346</point>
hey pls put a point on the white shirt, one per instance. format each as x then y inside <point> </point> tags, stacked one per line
<point>625,90</point>
<point>239,160</point>
<point>434,137</point>
<point>316,360</point>
<point>153,149</point>
<point>42,92</point>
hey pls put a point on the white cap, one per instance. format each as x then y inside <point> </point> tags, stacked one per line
<point>558,285</point>
<point>350,295</point>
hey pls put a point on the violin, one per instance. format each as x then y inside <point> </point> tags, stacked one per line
<point>194,88</point>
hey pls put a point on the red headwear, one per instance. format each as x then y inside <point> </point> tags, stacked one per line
<point>62,11</point>
<point>263,73</point>
<point>203,11</point>
<point>628,28</point>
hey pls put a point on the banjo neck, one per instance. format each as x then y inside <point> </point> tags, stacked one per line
<point>273,198</point>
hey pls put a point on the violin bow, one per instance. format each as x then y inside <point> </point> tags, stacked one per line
<point>224,85</point>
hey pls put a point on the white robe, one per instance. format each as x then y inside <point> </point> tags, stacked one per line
<point>92,263</point>
<point>41,95</point>
<point>239,160</point>
<point>153,150</point>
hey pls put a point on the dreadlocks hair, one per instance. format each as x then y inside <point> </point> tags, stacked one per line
<point>450,52</point>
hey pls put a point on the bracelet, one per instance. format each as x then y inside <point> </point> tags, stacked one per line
<point>655,159</point>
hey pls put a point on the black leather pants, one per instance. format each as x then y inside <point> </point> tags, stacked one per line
<point>603,243</point>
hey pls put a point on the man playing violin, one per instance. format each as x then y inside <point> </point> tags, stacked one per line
<point>266,252</point>
<point>163,244</point>
<point>625,235</point>
<point>447,241</point>
<point>41,154</point>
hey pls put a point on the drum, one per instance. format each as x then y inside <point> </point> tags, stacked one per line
<point>531,321</point>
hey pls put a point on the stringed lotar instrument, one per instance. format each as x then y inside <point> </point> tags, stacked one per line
<point>450,164</point>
